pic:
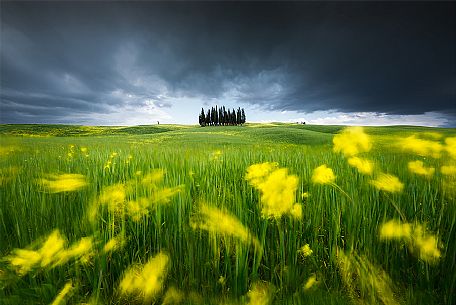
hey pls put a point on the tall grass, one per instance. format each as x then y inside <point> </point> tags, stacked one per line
<point>340,224</point>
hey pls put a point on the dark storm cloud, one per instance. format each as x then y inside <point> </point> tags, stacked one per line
<point>86,57</point>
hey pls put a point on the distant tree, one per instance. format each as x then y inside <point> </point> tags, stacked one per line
<point>242,116</point>
<point>208,117</point>
<point>202,118</point>
<point>220,116</point>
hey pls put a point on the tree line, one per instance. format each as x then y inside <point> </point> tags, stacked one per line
<point>219,116</point>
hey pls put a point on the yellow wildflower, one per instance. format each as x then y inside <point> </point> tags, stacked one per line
<point>448,170</point>
<point>219,222</point>
<point>146,281</point>
<point>394,229</point>
<point>277,187</point>
<point>173,296</point>
<point>60,298</point>
<point>81,249</point>
<point>323,175</point>
<point>450,146</point>
<point>388,183</point>
<point>138,208</point>
<point>113,244</point>
<point>257,173</point>
<point>114,197</point>
<point>415,236</point>
<point>154,177</point>
<point>64,183</point>
<point>310,282</point>
<point>426,244</point>
<point>352,141</point>
<point>421,147</point>
<point>363,166</point>
<point>260,294</point>
<point>216,154</point>
<point>24,260</point>
<point>418,168</point>
<point>305,250</point>
<point>296,211</point>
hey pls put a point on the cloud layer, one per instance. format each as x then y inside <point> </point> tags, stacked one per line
<point>75,62</point>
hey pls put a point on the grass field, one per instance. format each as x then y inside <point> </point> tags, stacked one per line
<point>172,214</point>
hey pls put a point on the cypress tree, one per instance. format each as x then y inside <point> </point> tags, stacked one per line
<point>202,118</point>
<point>208,117</point>
<point>242,116</point>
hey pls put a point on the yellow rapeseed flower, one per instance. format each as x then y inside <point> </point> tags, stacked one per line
<point>323,175</point>
<point>146,281</point>
<point>426,244</point>
<point>450,146</point>
<point>219,222</point>
<point>394,229</point>
<point>81,249</point>
<point>154,177</point>
<point>173,296</point>
<point>60,298</point>
<point>311,281</point>
<point>305,250</point>
<point>114,244</point>
<point>388,183</point>
<point>352,141</point>
<point>448,170</point>
<point>114,197</point>
<point>422,147</point>
<point>278,189</point>
<point>363,166</point>
<point>415,236</point>
<point>260,294</point>
<point>418,168</point>
<point>257,173</point>
<point>24,260</point>
<point>64,183</point>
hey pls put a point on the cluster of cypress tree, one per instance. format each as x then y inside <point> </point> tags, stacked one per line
<point>219,116</point>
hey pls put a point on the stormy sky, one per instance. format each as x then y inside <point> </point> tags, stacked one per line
<point>120,63</point>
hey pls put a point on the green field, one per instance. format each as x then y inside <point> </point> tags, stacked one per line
<point>170,214</point>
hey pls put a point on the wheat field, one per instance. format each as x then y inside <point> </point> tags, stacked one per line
<point>253,214</point>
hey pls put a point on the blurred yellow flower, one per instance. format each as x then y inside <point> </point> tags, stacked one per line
<point>154,177</point>
<point>421,147</point>
<point>64,183</point>
<point>418,168</point>
<point>257,173</point>
<point>450,146</point>
<point>60,298</point>
<point>114,244</point>
<point>173,296</point>
<point>323,175</point>
<point>146,281</point>
<point>114,197</point>
<point>219,222</point>
<point>415,236</point>
<point>277,187</point>
<point>305,250</point>
<point>52,253</point>
<point>260,294</point>
<point>363,166</point>
<point>448,170</point>
<point>352,141</point>
<point>311,281</point>
<point>388,183</point>
<point>394,229</point>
